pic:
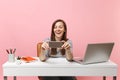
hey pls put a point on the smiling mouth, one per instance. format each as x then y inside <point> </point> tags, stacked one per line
<point>58,32</point>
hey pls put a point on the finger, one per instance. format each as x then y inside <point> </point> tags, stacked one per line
<point>45,45</point>
<point>66,44</point>
<point>63,45</point>
<point>67,47</point>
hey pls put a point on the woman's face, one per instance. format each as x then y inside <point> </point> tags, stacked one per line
<point>59,30</point>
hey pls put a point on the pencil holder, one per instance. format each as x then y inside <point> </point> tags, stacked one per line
<point>11,57</point>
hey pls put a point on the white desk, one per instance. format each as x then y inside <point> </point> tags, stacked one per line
<point>59,67</point>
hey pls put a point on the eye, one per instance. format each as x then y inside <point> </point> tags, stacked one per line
<point>55,27</point>
<point>60,26</point>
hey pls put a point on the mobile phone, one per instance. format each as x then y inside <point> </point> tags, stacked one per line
<point>55,44</point>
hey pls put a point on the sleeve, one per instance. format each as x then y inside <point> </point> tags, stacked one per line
<point>46,40</point>
<point>71,45</point>
<point>47,51</point>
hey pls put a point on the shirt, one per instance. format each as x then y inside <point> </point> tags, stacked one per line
<point>47,52</point>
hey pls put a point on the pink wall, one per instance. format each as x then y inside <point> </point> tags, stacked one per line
<point>23,23</point>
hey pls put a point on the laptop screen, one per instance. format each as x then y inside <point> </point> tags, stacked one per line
<point>98,52</point>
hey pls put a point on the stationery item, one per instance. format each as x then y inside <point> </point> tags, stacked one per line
<point>7,51</point>
<point>11,54</point>
<point>18,58</point>
<point>18,62</point>
<point>28,59</point>
<point>11,51</point>
<point>14,51</point>
<point>11,57</point>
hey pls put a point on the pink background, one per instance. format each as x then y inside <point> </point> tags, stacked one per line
<point>23,23</point>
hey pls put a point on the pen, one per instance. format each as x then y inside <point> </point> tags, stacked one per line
<point>14,50</point>
<point>11,51</point>
<point>7,51</point>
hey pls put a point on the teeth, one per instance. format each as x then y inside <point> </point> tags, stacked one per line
<point>58,33</point>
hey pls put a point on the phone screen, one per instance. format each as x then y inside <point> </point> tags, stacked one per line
<point>55,44</point>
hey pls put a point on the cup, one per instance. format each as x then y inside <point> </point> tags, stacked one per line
<point>11,57</point>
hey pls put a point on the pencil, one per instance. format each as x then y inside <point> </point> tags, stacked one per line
<point>7,51</point>
<point>14,51</point>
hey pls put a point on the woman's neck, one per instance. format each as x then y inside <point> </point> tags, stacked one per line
<point>57,38</point>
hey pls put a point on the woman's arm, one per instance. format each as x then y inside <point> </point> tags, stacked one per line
<point>44,50</point>
<point>68,50</point>
<point>42,56</point>
<point>69,55</point>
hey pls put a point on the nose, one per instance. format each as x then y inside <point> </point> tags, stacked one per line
<point>57,28</point>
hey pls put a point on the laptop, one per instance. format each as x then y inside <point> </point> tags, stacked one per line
<point>96,53</point>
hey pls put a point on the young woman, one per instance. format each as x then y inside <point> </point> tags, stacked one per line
<point>58,33</point>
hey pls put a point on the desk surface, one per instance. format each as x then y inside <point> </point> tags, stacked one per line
<point>59,67</point>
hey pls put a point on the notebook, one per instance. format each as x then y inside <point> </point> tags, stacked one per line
<point>28,59</point>
<point>96,53</point>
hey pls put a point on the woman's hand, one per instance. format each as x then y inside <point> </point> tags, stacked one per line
<point>66,46</point>
<point>68,54</point>
<point>45,46</point>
